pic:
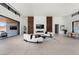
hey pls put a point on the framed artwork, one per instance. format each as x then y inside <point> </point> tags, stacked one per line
<point>62,27</point>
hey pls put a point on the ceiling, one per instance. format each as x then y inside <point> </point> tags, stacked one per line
<point>46,9</point>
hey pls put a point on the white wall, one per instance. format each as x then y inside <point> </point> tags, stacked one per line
<point>69,20</point>
<point>39,20</point>
<point>42,20</point>
<point>60,21</point>
<point>23,21</point>
<point>68,23</point>
<point>26,24</point>
<point>7,13</point>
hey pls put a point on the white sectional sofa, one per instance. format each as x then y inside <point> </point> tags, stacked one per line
<point>30,38</point>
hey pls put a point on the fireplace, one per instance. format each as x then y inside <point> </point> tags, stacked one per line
<point>39,26</point>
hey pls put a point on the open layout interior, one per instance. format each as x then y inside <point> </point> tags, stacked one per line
<point>39,28</point>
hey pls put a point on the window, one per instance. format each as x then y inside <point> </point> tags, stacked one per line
<point>2,24</point>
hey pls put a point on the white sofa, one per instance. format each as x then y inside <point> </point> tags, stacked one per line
<point>48,34</point>
<point>27,37</point>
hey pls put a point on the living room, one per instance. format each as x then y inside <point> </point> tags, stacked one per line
<point>37,19</point>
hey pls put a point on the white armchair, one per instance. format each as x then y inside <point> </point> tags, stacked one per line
<point>48,34</point>
<point>26,37</point>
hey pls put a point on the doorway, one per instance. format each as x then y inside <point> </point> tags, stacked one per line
<point>56,28</point>
<point>72,26</point>
<point>75,26</point>
<point>18,28</point>
<point>10,26</point>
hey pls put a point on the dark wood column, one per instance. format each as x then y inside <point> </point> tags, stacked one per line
<point>49,23</point>
<point>30,24</point>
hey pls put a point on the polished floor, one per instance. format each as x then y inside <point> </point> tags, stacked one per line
<point>59,46</point>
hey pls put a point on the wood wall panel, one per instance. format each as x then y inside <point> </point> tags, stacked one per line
<point>30,25</point>
<point>49,23</point>
<point>7,20</point>
<point>2,28</point>
<point>3,20</point>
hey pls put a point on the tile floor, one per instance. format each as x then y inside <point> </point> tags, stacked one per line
<point>59,46</point>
